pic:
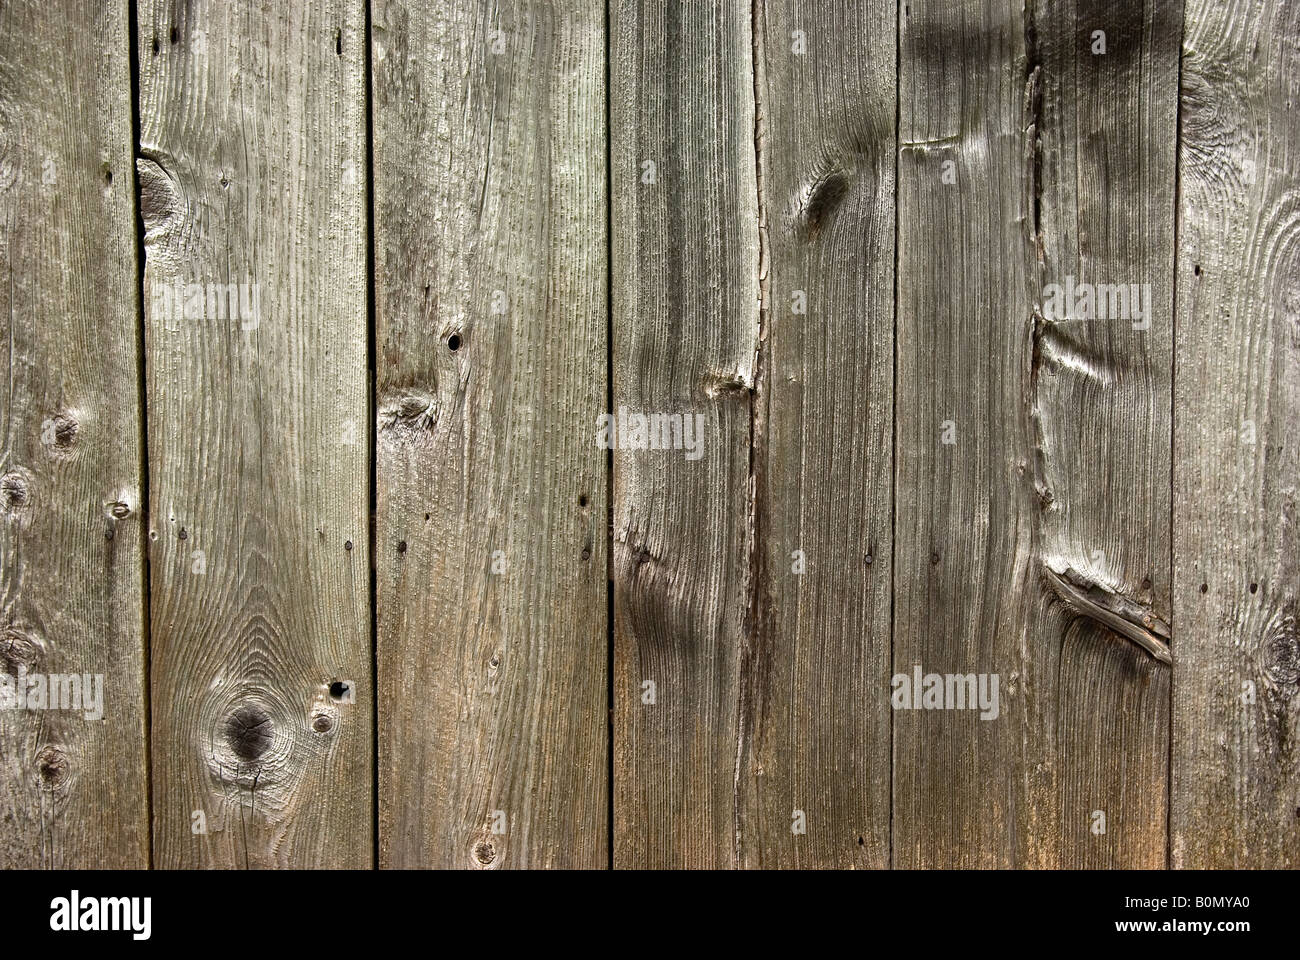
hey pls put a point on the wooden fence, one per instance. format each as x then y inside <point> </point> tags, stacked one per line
<point>450,433</point>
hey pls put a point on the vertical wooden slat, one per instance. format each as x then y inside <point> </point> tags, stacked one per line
<point>71,538</point>
<point>1236,790</point>
<point>490,241</point>
<point>253,171</point>
<point>816,732</point>
<point>685,335</point>
<point>1035,545</point>
<point>1105,186</point>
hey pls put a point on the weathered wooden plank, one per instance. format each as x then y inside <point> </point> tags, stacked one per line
<point>1105,184</point>
<point>816,732</point>
<point>71,545</point>
<point>491,327</point>
<point>685,329</point>
<point>1032,528</point>
<point>1236,785</point>
<point>253,172</point>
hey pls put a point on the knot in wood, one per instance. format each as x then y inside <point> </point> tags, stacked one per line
<point>54,767</point>
<point>14,490</point>
<point>19,650</point>
<point>1282,655</point>
<point>484,853</point>
<point>248,731</point>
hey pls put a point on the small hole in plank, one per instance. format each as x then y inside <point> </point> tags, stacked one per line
<point>155,44</point>
<point>1204,587</point>
<point>583,500</point>
<point>338,42</point>
<point>338,690</point>
<point>453,342</point>
<point>401,546</point>
<point>1254,587</point>
<point>176,35</point>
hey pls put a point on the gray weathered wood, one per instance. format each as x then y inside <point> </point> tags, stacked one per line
<point>816,732</point>
<point>71,538</point>
<point>490,242</point>
<point>253,170</point>
<point>1236,785</point>
<point>685,336</point>
<point>1024,544</point>
<point>1105,182</point>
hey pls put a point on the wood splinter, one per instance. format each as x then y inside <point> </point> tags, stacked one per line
<point>1113,611</point>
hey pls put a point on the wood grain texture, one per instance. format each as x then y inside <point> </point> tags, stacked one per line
<point>816,732</point>
<point>1104,182</point>
<point>491,536</point>
<point>71,538</point>
<point>685,325</point>
<point>1235,789</point>
<point>1061,454</point>
<point>253,170</point>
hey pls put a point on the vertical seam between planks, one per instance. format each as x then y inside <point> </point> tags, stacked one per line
<point>372,386</point>
<point>752,625</point>
<point>142,397</point>
<point>609,459</point>
<point>893,472</point>
<point>1173,461</point>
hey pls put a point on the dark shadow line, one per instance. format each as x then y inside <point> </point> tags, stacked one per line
<point>372,447</point>
<point>1173,462</point>
<point>142,395</point>
<point>893,465</point>
<point>609,456</point>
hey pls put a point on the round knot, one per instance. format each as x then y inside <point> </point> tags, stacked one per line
<point>248,731</point>
<point>53,767</point>
<point>14,490</point>
<point>485,853</point>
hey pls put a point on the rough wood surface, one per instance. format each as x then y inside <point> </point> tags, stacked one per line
<point>1104,181</point>
<point>253,170</point>
<point>685,327</point>
<point>1059,460</point>
<point>490,206</point>
<point>1235,789</point>
<point>366,584</point>
<point>815,736</point>
<point>71,537</point>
